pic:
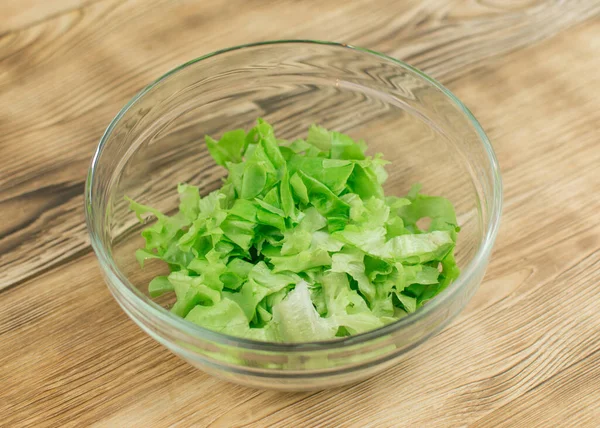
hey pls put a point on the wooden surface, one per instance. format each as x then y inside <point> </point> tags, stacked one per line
<point>526,351</point>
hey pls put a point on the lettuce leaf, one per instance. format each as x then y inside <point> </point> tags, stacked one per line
<point>229,148</point>
<point>300,243</point>
<point>298,321</point>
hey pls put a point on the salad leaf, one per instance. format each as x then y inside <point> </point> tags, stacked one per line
<point>229,148</point>
<point>159,286</point>
<point>298,321</point>
<point>190,291</point>
<point>300,243</point>
<point>352,262</point>
<point>302,261</point>
<point>345,307</point>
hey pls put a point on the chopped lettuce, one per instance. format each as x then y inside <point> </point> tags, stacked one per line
<point>300,243</point>
<point>297,320</point>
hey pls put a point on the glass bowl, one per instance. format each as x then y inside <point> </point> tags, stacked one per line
<point>157,141</point>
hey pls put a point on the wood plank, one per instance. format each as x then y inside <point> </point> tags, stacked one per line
<point>527,346</point>
<point>573,392</point>
<point>63,79</point>
<point>23,13</point>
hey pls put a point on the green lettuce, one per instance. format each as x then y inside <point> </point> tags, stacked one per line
<point>300,243</point>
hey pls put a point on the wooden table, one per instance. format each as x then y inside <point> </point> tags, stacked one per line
<point>526,351</point>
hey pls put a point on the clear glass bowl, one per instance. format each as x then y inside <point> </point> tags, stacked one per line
<point>157,141</point>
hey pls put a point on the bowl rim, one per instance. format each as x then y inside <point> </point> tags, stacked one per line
<point>124,287</point>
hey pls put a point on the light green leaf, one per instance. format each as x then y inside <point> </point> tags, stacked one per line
<point>298,321</point>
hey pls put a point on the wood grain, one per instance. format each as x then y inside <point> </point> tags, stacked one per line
<point>29,12</point>
<point>524,353</point>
